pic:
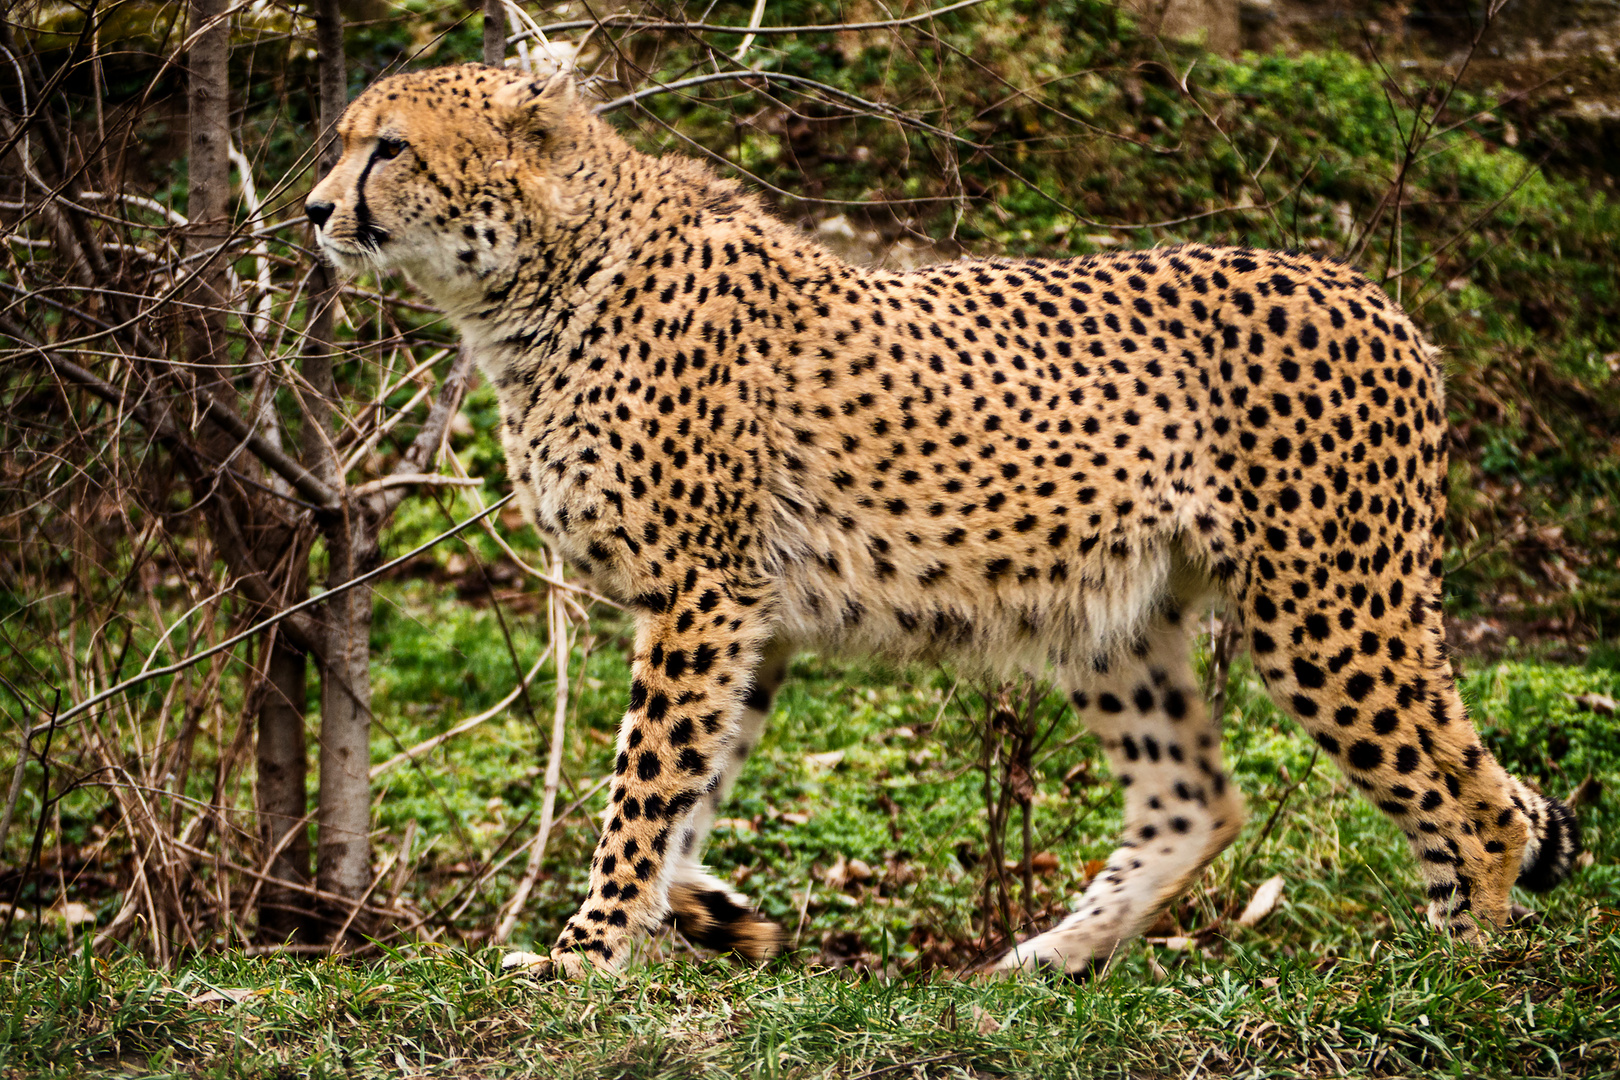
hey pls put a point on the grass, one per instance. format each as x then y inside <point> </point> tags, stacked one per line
<point>871,764</point>
<point>1540,1002</point>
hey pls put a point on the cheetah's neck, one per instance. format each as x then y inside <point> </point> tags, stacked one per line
<point>630,227</point>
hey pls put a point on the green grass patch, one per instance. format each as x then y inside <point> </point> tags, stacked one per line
<point>865,763</point>
<point>1539,1002</point>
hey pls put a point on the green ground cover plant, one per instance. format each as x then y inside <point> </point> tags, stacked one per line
<point>861,763</point>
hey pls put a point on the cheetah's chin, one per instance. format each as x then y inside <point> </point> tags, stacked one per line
<point>348,259</point>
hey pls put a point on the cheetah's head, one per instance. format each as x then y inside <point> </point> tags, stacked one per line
<point>446,173</point>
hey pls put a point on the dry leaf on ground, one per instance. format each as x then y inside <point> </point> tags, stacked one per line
<point>1263,901</point>
<point>1602,704</point>
<point>224,995</point>
<point>847,871</point>
<point>71,912</point>
<point>837,875</point>
<point>1178,943</point>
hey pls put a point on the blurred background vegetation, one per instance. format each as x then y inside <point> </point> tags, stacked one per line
<point>1462,154</point>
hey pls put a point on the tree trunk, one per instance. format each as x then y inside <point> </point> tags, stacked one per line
<point>495,32</point>
<point>208,203</point>
<point>249,538</point>
<point>250,534</point>
<point>332,91</point>
<point>343,816</point>
<point>343,852</point>
<point>283,774</point>
<point>283,753</point>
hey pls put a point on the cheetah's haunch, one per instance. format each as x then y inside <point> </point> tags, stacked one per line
<point>1041,464</point>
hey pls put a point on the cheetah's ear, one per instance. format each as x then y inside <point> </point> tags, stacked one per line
<point>534,107</point>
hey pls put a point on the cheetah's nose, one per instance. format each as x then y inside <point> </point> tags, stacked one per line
<point>319,212</point>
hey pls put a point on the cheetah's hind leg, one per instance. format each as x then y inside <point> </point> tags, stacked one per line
<point>1180,808</point>
<point>704,908</point>
<point>1385,705</point>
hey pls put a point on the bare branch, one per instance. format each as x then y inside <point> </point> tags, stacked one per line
<point>425,447</point>
<point>636,22</point>
<point>224,416</point>
<point>259,627</point>
<point>302,480</point>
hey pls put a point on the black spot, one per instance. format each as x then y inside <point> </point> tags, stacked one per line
<point>1365,755</point>
<point>1308,674</point>
<point>1359,685</point>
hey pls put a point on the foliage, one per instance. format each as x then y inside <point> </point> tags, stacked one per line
<point>1342,975</point>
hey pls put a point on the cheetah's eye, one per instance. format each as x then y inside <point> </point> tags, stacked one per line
<point>389,147</point>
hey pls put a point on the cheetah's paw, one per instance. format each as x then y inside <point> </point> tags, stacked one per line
<point>560,964</point>
<point>1074,949</point>
<point>534,965</point>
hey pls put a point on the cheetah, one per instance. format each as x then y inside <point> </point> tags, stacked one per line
<point>1041,465</point>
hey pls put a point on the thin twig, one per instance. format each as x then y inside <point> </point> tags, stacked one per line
<point>260,627</point>
<point>634,22</point>
<point>558,619</point>
<point>1276,812</point>
<point>44,806</point>
<point>428,745</point>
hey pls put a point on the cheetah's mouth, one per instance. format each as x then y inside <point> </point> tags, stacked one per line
<point>347,255</point>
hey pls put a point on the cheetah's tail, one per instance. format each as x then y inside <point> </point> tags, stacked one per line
<point>718,919</point>
<point>1553,845</point>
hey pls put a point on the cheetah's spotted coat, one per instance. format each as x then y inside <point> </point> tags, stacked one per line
<point>1039,464</point>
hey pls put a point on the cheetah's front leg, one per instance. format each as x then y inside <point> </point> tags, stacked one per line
<point>690,679</point>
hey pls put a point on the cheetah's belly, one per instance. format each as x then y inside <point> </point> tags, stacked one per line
<point>831,600</point>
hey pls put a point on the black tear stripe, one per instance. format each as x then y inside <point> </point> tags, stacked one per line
<point>366,232</point>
